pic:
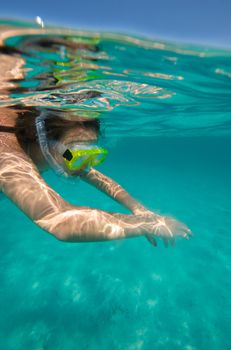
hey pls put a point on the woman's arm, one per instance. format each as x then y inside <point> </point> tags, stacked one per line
<point>113,190</point>
<point>162,226</point>
<point>20,181</point>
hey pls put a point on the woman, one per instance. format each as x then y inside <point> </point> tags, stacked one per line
<point>30,144</point>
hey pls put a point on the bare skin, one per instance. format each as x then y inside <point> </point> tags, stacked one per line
<point>21,181</point>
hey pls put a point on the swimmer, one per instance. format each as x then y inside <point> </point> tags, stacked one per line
<point>31,141</point>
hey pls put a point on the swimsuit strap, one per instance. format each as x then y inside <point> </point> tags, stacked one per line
<point>9,129</point>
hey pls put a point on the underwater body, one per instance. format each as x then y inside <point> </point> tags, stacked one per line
<point>165,112</point>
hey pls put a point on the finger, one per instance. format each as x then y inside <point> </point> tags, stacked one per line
<point>187,234</point>
<point>165,240</point>
<point>185,229</point>
<point>152,240</point>
<point>172,242</point>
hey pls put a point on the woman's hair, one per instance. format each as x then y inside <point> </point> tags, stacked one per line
<point>55,124</point>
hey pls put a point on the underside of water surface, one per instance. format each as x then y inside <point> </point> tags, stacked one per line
<point>165,114</point>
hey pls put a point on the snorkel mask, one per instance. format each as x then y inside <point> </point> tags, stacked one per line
<point>83,157</point>
<point>77,157</point>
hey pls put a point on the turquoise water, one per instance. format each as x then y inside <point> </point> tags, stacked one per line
<point>166,119</point>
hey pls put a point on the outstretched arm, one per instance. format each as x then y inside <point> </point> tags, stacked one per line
<point>113,190</point>
<point>20,181</point>
<point>161,224</point>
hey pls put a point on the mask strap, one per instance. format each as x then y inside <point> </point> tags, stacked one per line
<point>42,138</point>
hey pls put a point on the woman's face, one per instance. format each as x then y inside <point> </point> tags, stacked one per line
<point>78,134</point>
<point>70,138</point>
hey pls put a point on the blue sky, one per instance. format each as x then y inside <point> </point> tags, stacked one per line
<point>202,21</point>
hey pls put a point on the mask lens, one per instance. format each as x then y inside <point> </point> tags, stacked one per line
<point>98,158</point>
<point>80,161</point>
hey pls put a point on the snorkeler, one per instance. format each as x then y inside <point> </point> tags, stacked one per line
<point>32,140</point>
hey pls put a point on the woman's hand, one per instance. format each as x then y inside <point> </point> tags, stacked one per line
<point>164,227</point>
<point>153,226</point>
<point>169,229</point>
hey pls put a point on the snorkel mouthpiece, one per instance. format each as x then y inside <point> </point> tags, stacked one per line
<point>76,160</point>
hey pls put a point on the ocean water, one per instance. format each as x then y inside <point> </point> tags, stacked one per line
<point>165,111</point>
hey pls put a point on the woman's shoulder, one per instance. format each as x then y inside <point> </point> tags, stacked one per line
<point>8,139</point>
<point>8,116</point>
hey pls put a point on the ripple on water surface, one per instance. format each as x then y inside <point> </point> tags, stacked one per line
<point>148,87</point>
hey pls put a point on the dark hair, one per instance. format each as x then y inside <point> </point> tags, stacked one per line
<point>56,124</point>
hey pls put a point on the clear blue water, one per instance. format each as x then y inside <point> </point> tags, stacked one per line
<point>167,123</point>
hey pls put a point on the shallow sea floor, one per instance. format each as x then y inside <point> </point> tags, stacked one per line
<point>127,294</point>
